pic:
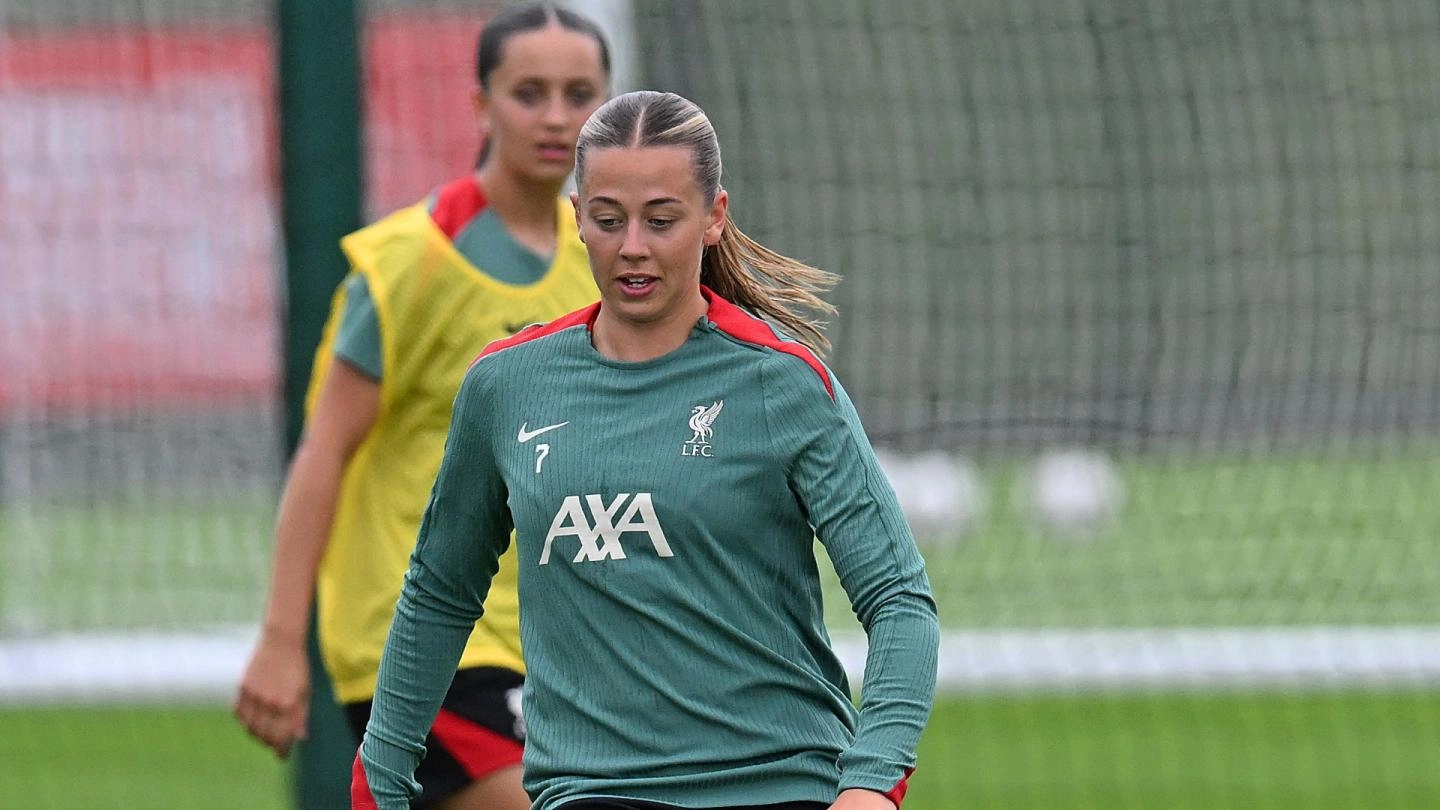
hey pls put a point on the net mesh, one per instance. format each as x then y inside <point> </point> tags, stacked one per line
<point>140,415</point>
<point>1147,225</point>
<point>1138,302</point>
<point>139,332</point>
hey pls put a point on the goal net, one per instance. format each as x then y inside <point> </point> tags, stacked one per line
<point>1140,303</point>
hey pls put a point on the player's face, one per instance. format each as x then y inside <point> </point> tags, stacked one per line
<point>645,223</point>
<point>547,83</point>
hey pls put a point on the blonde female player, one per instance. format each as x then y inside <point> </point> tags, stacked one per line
<point>430,286</point>
<point>668,583</point>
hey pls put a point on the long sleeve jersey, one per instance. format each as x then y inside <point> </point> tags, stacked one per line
<point>665,513</point>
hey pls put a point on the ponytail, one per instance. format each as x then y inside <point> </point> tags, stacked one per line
<point>773,286</point>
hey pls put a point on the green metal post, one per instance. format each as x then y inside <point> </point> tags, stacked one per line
<point>321,181</point>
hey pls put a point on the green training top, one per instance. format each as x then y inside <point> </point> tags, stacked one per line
<point>671,622</point>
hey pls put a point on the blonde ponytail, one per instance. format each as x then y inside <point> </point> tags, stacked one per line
<point>771,285</point>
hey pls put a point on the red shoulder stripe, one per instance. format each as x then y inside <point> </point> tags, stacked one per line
<point>456,203</point>
<point>740,324</point>
<point>580,316</point>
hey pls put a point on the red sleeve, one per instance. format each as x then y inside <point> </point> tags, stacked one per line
<point>360,798</point>
<point>897,794</point>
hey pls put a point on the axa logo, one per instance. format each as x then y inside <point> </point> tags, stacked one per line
<point>702,417</point>
<point>599,526</point>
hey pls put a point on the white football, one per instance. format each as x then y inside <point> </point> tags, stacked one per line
<point>1074,491</point>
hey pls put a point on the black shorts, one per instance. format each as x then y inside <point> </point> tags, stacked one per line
<point>479,731</point>
<point>634,804</point>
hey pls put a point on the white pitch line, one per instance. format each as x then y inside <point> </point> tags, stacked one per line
<point>206,666</point>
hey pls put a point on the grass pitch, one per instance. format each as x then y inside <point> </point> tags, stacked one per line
<point>1318,751</point>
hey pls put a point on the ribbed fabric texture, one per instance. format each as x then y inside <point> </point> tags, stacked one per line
<point>673,633</point>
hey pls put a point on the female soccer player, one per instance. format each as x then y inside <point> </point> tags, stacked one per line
<point>430,286</point>
<point>666,458</point>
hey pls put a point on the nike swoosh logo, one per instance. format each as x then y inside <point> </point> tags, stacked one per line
<point>527,435</point>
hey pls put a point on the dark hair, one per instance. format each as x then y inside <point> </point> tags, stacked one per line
<point>519,19</point>
<point>739,269</point>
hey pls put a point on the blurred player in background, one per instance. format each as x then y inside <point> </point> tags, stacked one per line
<point>666,472</point>
<point>430,286</point>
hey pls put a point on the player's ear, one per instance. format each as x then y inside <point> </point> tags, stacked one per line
<point>575,203</point>
<point>718,215</point>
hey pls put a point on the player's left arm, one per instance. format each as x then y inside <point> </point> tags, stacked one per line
<point>857,517</point>
<point>465,528</point>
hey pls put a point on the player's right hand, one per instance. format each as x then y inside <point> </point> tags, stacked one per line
<point>273,701</point>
